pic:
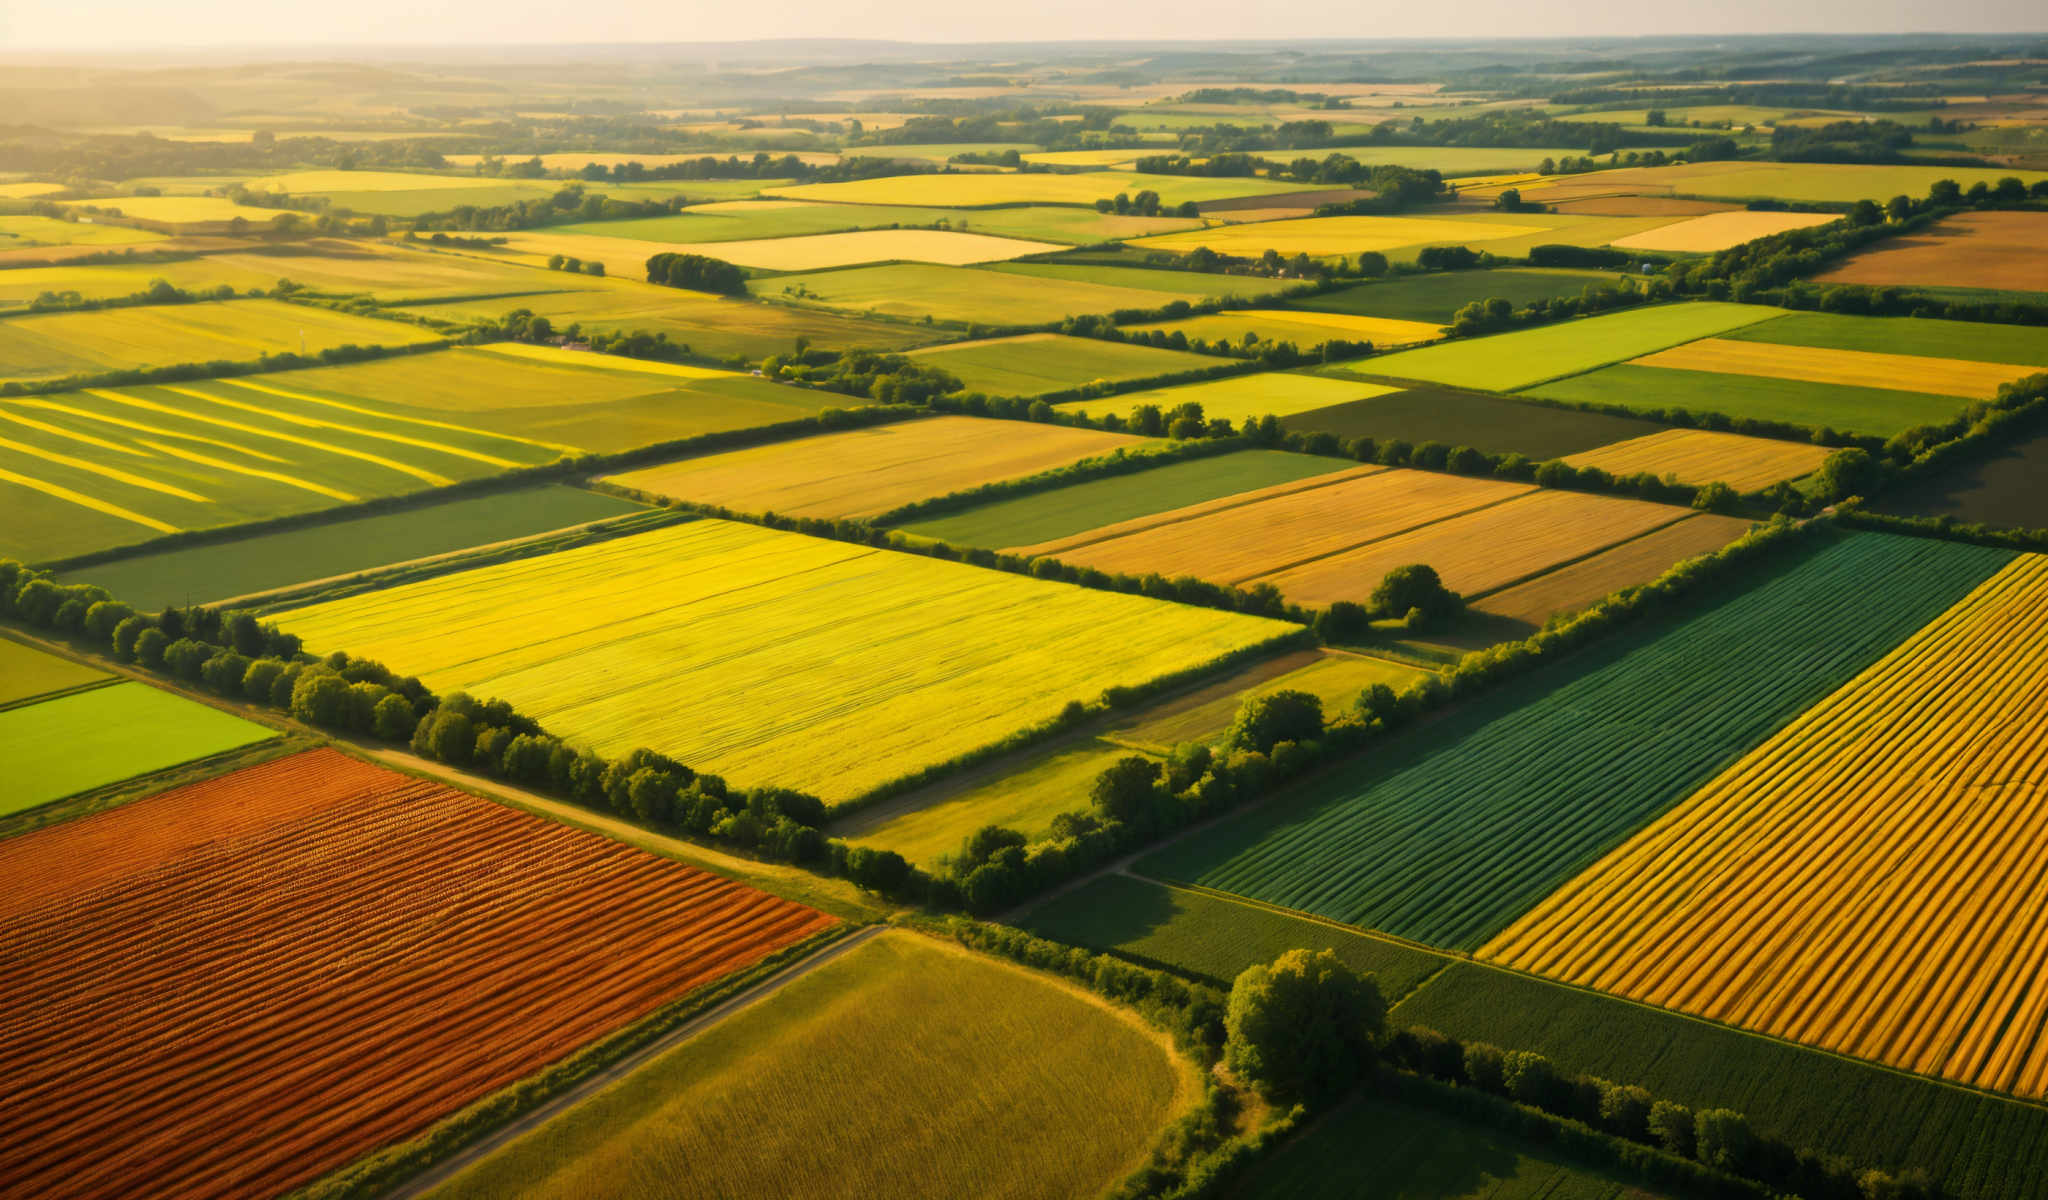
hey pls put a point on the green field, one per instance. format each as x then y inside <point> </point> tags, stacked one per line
<point>1402,238</point>
<point>1035,363</point>
<point>924,826</point>
<point>27,230</point>
<point>1977,1145</point>
<point>1976,341</point>
<point>1453,831</point>
<point>1506,362</point>
<point>225,570</point>
<point>1240,398</point>
<point>1436,296</point>
<point>89,739</point>
<point>1187,284</point>
<point>1456,418</point>
<point>26,673</point>
<point>895,1070</point>
<point>42,347</point>
<point>1387,1150</point>
<point>1063,512</point>
<point>1336,678</point>
<point>743,219</point>
<point>1214,937</point>
<point>968,295</point>
<point>1878,412</point>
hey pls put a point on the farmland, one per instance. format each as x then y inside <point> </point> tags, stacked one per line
<point>1304,328</point>
<point>43,347</point>
<point>1402,238</point>
<point>965,295</point>
<point>84,740</point>
<point>867,472</point>
<point>178,214</point>
<point>810,252</point>
<point>313,1051</point>
<point>1190,284</point>
<point>1697,456</point>
<point>1879,412</point>
<point>1494,424</point>
<point>1455,831</point>
<point>2006,251</point>
<point>28,674</point>
<point>1816,183</point>
<point>1840,368</point>
<point>1884,907</point>
<point>1433,298</point>
<point>926,825</point>
<point>893,1068</point>
<point>981,190</point>
<point>738,220</point>
<point>1032,364</point>
<point>326,265</point>
<point>1334,677</point>
<point>1510,361</point>
<point>1240,398</point>
<point>18,231</point>
<point>1920,337</point>
<point>1718,231</point>
<point>2002,489</point>
<point>1576,585</point>
<point>817,632</point>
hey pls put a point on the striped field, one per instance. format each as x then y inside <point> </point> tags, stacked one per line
<point>1849,368</point>
<point>52,346</point>
<point>1699,456</point>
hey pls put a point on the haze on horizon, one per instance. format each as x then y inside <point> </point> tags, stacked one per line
<point>85,25</point>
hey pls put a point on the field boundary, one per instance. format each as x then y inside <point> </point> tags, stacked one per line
<point>88,686</point>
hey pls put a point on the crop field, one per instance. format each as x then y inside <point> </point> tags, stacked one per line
<point>1880,412</point>
<point>1818,183</point>
<point>28,674</point>
<point>1719,231</point>
<point>1305,329</point>
<point>28,190</point>
<point>41,347</point>
<point>965,295</point>
<point>891,1070</point>
<point>1214,936</point>
<point>810,252</point>
<point>84,740</point>
<point>181,213</point>
<point>2003,488</point>
<point>1507,362</point>
<point>1024,523</point>
<point>1974,1143</point>
<point>1433,298</point>
<point>1402,238</point>
<point>1454,831</point>
<point>742,220</point>
<point>1032,364</point>
<point>401,194</point>
<point>1867,880</point>
<point>1335,677</point>
<point>925,826</point>
<point>2005,251</point>
<point>1494,424</point>
<point>1580,584</point>
<point>982,189</point>
<point>867,472</point>
<point>1973,341</point>
<point>1187,284</point>
<point>1240,398</point>
<point>502,941</point>
<point>27,230</point>
<point>261,562</point>
<point>1841,368</point>
<point>1698,456</point>
<point>857,666</point>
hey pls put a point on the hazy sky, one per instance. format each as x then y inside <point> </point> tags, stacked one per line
<point>89,24</point>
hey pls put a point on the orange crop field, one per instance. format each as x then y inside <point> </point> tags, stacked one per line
<point>2002,250</point>
<point>1872,880</point>
<point>1851,368</point>
<point>1698,456</point>
<point>1638,560</point>
<point>233,987</point>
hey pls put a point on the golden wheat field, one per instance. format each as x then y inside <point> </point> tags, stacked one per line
<point>771,657</point>
<point>1872,880</point>
<point>865,472</point>
<point>1851,368</point>
<point>1638,560</point>
<point>1718,231</point>
<point>1698,456</point>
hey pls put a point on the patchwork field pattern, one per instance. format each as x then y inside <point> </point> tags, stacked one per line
<point>1402,238</point>
<point>49,346</point>
<point>867,472</point>
<point>1508,361</point>
<point>1304,328</point>
<point>1456,830</point>
<point>2006,251</point>
<point>1868,880</point>
<point>856,666</point>
<point>1435,297</point>
<point>958,294</point>
<point>1494,424</point>
<point>810,252</point>
<point>388,909</point>
<point>1876,411</point>
<point>1189,284</point>
<point>1035,363</point>
<point>1241,398</point>
<point>1580,584</point>
<point>1845,368</point>
<point>1698,456</point>
<point>1921,337</point>
<point>1719,231</point>
<point>981,189</point>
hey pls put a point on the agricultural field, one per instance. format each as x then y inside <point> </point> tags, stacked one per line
<point>961,295</point>
<point>1525,607</point>
<point>178,214</point>
<point>27,230</point>
<point>314,1052</point>
<point>1816,183</point>
<point>398,194</point>
<point>1023,522</point>
<point>1718,231</point>
<point>1877,412</point>
<point>44,347</point>
<point>1033,364</point>
<point>983,189</point>
<point>892,1069</point>
<point>1880,905</point>
<point>1187,284</point>
<point>1525,358</point>
<point>2003,488</point>
<point>391,271</point>
<point>88,739</point>
<point>867,472</point>
<point>1433,298</point>
<point>1402,238</point>
<point>1240,398</point>
<point>1335,677</point>
<point>2018,346</point>
<point>28,190</point>
<point>739,220</point>
<point>2001,251</point>
<point>1306,329</point>
<point>1494,424</point>
<point>927,825</point>
<point>261,562</point>
<point>810,252</point>
<point>1699,456</point>
<point>1841,368</point>
<point>656,638</point>
<point>1454,831</point>
<point>27,673</point>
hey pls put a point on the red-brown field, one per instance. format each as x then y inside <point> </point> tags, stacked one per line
<point>234,987</point>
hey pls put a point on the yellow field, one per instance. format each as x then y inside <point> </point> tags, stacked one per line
<point>1854,368</point>
<point>1241,398</point>
<point>1301,327</point>
<point>814,252</point>
<point>1872,880</point>
<point>1325,236</point>
<point>175,211</point>
<point>555,356</point>
<point>971,190</point>
<point>769,657</point>
<point>59,345</point>
<point>28,190</point>
<point>1088,158</point>
<point>864,472</point>
<point>576,160</point>
<point>297,183</point>
<point>1576,585</point>
<point>1698,456</point>
<point>1719,231</point>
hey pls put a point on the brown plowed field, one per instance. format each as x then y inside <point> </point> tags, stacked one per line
<point>2002,250</point>
<point>234,987</point>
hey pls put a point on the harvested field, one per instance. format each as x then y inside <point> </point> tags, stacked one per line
<point>29,674</point>
<point>2002,489</point>
<point>1654,390</point>
<point>1922,337</point>
<point>2005,251</point>
<point>1454,830</point>
<point>1578,585</point>
<point>771,657</point>
<point>417,948</point>
<point>1240,398</point>
<point>981,189</point>
<point>1867,881</point>
<point>1303,328</point>
<point>1846,368</point>
<point>1479,551</point>
<point>84,740</point>
<point>964,295</point>
<point>1507,362</point>
<point>891,1070</point>
<point>867,472</point>
<point>1719,231</point>
<point>1699,456</point>
<point>1032,364</point>
<point>1494,424</point>
<point>1433,298</point>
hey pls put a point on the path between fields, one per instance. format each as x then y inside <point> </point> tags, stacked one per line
<point>468,1156</point>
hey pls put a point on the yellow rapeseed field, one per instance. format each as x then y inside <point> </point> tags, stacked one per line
<point>1698,456</point>
<point>1872,880</point>
<point>1852,368</point>
<point>771,657</point>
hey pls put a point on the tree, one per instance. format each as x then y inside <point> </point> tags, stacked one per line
<point>393,719</point>
<point>1848,472</point>
<point>150,645</point>
<point>125,635</point>
<point>1625,1111</point>
<point>1265,721</point>
<point>1722,1138</point>
<point>185,657</point>
<point>1415,586</point>
<point>1865,212</point>
<point>1126,789</point>
<point>1672,1125</point>
<point>1716,497</point>
<point>697,273</point>
<point>1303,1030</point>
<point>445,736</point>
<point>320,698</point>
